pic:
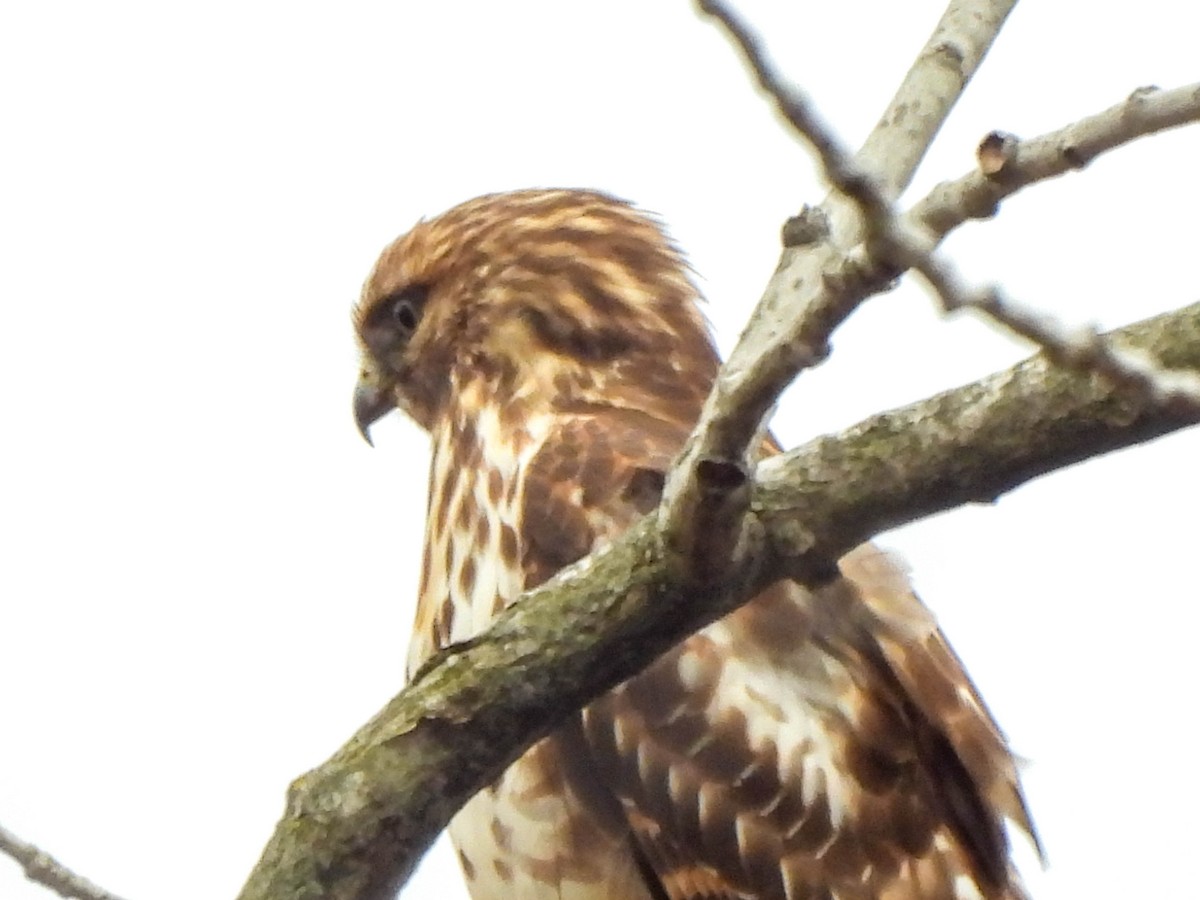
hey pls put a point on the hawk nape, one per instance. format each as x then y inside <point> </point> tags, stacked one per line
<point>819,744</point>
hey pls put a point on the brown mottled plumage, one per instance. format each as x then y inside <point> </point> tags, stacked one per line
<point>811,745</point>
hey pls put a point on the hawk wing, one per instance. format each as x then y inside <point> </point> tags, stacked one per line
<point>812,744</point>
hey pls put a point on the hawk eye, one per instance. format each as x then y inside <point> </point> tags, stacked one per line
<point>404,308</point>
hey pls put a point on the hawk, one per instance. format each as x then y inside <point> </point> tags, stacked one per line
<point>813,744</point>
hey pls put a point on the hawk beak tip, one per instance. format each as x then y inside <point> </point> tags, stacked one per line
<point>370,405</point>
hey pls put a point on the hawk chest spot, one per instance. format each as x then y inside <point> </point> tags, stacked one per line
<point>472,565</point>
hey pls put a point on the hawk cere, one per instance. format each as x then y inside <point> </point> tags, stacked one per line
<point>822,744</point>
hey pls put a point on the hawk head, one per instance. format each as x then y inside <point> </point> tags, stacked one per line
<point>541,298</point>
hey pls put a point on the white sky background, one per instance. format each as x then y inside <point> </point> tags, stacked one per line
<point>207,579</point>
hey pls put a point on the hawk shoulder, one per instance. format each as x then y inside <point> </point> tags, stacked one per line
<point>810,742</point>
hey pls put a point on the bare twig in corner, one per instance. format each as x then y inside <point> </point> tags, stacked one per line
<point>44,869</point>
<point>899,243</point>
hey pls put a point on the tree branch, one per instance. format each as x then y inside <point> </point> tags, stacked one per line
<point>1007,164</point>
<point>937,78</point>
<point>816,286</point>
<point>970,444</point>
<point>356,826</point>
<point>44,869</point>
<point>895,147</point>
<point>893,244</point>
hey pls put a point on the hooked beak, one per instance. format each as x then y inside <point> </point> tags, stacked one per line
<point>371,403</point>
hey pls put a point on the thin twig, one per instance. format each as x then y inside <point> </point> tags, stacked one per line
<point>44,869</point>
<point>792,103</point>
<point>1008,164</point>
<point>1082,348</point>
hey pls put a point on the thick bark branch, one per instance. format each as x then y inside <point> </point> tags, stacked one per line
<point>970,444</point>
<point>356,826</point>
